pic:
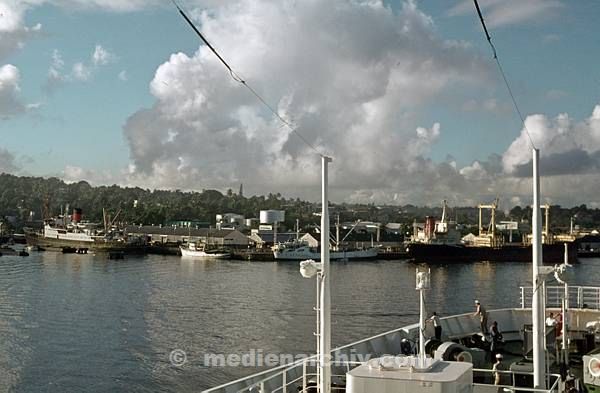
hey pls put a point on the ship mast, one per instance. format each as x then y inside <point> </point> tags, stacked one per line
<point>325,301</point>
<point>537,304</point>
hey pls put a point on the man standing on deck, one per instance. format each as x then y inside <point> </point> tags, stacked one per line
<point>496,370</point>
<point>496,339</point>
<point>480,311</point>
<point>436,325</point>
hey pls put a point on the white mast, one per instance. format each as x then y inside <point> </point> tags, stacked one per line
<point>422,284</point>
<point>565,310</point>
<point>537,308</point>
<point>325,307</point>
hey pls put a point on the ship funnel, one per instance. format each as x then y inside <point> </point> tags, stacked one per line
<point>77,215</point>
<point>429,227</point>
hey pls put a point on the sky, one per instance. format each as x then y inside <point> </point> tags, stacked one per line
<point>404,96</point>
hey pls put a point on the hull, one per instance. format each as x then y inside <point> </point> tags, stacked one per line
<point>445,253</point>
<point>304,253</point>
<point>199,254</point>
<point>35,239</point>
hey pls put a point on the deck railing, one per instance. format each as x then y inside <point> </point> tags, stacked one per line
<point>286,380</point>
<point>579,297</point>
<point>297,376</point>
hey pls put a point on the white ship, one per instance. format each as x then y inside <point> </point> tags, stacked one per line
<point>298,251</point>
<point>193,251</point>
<point>71,232</point>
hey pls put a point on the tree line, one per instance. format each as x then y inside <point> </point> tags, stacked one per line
<point>31,198</point>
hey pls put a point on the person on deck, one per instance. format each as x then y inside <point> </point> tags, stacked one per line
<point>496,370</point>
<point>551,321</point>
<point>559,324</point>
<point>496,339</point>
<point>435,320</point>
<point>482,313</point>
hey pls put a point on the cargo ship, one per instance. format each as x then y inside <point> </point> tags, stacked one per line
<point>67,232</point>
<point>448,253</point>
<point>440,242</point>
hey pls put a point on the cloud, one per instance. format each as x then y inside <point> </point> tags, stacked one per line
<point>561,138</point>
<point>123,76</point>
<point>499,13</point>
<point>10,104</point>
<point>101,56</point>
<point>13,32</point>
<point>80,71</point>
<point>569,163</point>
<point>354,87</point>
<point>7,162</point>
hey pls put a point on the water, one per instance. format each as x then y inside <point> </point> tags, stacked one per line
<point>84,323</point>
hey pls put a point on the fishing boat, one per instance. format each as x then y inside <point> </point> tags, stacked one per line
<point>191,250</point>
<point>299,251</point>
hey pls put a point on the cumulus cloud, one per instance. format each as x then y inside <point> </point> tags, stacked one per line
<point>509,12</point>
<point>569,161</point>
<point>571,143</point>
<point>10,104</point>
<point>354,88</point>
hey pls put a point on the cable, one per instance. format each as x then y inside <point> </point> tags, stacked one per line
<point>512,96</point>
<point>238,79</point>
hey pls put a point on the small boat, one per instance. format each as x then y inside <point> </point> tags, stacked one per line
<point>299,251</point>
<point>194,251</point>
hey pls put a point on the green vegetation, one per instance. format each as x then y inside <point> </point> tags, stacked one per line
<point>19,196</point>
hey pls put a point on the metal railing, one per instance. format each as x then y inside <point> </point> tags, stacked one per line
<point>287,382</point>
<point>290,377</point>
<point>286,379</point>
<point>579,297</point>
<point>552,380</point>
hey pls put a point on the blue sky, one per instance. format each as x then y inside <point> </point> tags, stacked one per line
<point>404,95</point>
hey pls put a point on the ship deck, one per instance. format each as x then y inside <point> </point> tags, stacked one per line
<point>300,375</point>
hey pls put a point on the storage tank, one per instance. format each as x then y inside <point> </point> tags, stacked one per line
<point>77,215</point>
<point>271,216</point>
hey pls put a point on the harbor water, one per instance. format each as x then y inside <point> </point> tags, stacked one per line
<point>83,323</point>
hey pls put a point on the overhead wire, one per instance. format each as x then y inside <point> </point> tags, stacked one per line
<point>510,92</point>
<point>240,80</point>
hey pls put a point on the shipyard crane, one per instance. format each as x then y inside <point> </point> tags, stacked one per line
<point>490,234</point>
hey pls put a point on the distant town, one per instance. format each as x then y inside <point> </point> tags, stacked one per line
<point>27,201</point>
